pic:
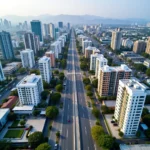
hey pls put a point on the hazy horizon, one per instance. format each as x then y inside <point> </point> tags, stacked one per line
<point>117,9</point>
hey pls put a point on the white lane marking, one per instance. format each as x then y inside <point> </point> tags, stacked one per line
<point>67,133</point>
<point>85,131</point>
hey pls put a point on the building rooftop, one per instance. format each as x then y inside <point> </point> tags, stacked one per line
<point>123,67</point>
<point>134,85</point>
<point>147,60</point>
<point>44,58</point>
<point>50,52</point>
<point>3,111</point>
<point>135,147</point>
<point>27,50</point>
<point>29,80</point>
<point>24,107</point>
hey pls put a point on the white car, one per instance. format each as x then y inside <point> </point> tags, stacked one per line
<point>56,146</point>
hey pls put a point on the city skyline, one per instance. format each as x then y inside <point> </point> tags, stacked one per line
<point>126,9</point>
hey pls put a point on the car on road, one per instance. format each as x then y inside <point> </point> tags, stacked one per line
<point>112,121</point>
<point>115,124</point>
<point>56,146</point>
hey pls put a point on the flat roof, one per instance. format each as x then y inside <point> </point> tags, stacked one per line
<point>29,80</point>
<point>3,111</point>
<point>110,103</point>
<point>44,58</point>
<point>135,147</point>
<point>24,107</point>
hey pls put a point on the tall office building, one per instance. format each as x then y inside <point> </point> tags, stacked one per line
<point>60,24</point>
<point>2,77</point>
<point>27,58</point>
<point>130,101</point>
<point>85,44</point>
<point>51,55</point>
<point>148,46</point>
<point>6,45</point>
<point>29,90</point>
<point>37,42</point>
<point>52,30</point>
<point>36,28</point>
<point>46,29</point>
<point>108,79</point>
<point>45,68</point>
<point>68,25</point>
<point>139,46</point>
<point>116,40</point>
<point>29,41</point>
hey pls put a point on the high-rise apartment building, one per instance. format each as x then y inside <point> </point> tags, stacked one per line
<point>37,42</point>
<point>29,41</point>
<point>68,25</point>
<point>51,55</point>
<point>85,44</point>
<point>2,77</point>
<point>6,46</point>
<point>46,29</point>
<point>108,79</point>
<point>36,28</point>
<point>60,24</point>
<point>101,61</point>
<point>139,46</point>
<point>116,40</point>
<point>29,90</point>
<point>88,51</point>
<point>130,101</point>
<point>148,46</point>
<point>52,30</point>
<point>45,68</point>
<point>27,58</point>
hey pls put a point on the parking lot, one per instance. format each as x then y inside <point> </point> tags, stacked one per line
<point>113,129</point>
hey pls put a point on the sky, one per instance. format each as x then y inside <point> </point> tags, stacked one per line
<point>103,8</point>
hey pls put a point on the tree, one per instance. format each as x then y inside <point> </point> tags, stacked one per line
<point>92,72</point>
<point>5,145</point>
<point>121,134</point>
<point>44,94</point>
<point>89,93</point>
<point>36,112</point>
<point>35,71</point>
<point>86,81</point>
<point>146,120</point>
<point>22,122</point>
<point>52,112</point>
<point>105,141</point>
<point>14,93</point>
<point>83,65</point>
<point>145,112</point>
<point>4,100</point>
<point>96,131</point>
<point>46,85</point>
<point>12,116</point>
<point>147,133</point>
<point>104,109</point>
<point>110,60</point>
<point>43,146</point>
<point>148,72</point>
<point>55,98</point>
<point>95,83</point>
<point>56,72</point>
<point>61,75</point>
<point>35,139</point>
<point>22,70</point>
<point>138,134</point>
<point>140,67</point>
<point>88,87</point>
<point>53,83</point>
<point>59,87</point>
<point>96,112</point>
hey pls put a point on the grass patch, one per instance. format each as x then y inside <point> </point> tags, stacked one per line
<point>107,125</point>
<point>14,134</point>
<point>15,123</point>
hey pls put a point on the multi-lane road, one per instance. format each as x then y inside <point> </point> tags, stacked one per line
<point>76,130</point>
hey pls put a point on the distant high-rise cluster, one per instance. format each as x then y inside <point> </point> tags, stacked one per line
<point>5,24</point>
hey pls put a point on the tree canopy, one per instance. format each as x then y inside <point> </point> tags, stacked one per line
<point>88,87</point>
<point>96,112</point>
<point>59,88</point>
<point>86,81</point>
<point>35,71</point>
<point>52,112</point>
<point>43,146</point>
<point>35,139</point>
<point>95,83</point>
<point>44,94</point>
<point>146,120</point>
<point>96,131</point>
<point>148,72</point>
<point>55,97</point>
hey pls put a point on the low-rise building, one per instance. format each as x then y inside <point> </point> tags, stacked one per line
<point>147,63</point>
<point>9,70</point>
<point>3,116</point>
<point>24,109</point>
<point>10,103</point>
<point>135,147</point>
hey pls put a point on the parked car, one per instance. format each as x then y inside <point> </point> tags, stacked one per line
<point>112,121</point>
<point>115,124</point>
<point>56,146</point>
